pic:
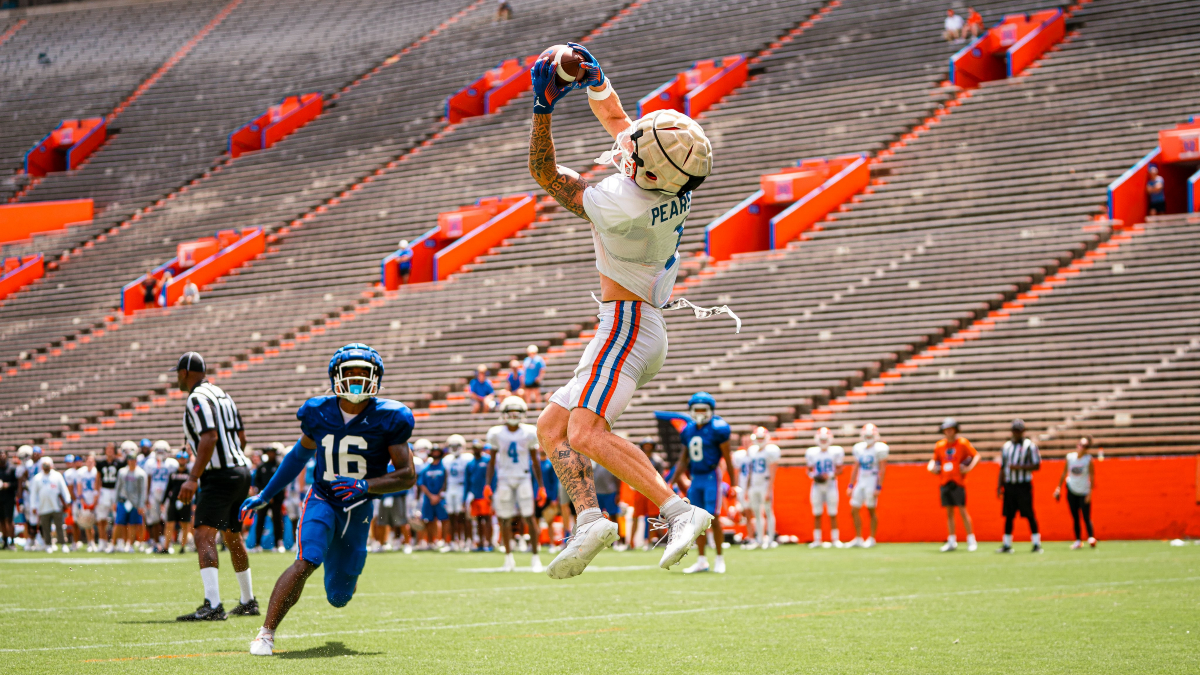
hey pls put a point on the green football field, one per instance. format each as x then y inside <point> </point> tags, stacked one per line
<point>1123,608</point>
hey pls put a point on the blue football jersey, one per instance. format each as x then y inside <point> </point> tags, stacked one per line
<point>433,477</point>
<point>358,449</point>
<point>703,444</point>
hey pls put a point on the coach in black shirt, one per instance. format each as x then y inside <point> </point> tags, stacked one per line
<point>1019,458</point>
<point>262,476</point>
<point>220,479</point>
<point>8,499</point>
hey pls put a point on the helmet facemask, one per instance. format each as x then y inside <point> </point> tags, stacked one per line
<point>356,381</point>
<point>700,413</point>
<point>512,411</point>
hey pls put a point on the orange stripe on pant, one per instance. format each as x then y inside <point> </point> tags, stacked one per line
<point>637,322</point>
<point>591,383</point>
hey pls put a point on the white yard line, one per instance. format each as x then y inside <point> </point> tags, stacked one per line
<point>607,617</point>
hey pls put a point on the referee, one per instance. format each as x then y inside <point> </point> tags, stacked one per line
<point>1019,458</point>
<point>220,479</point>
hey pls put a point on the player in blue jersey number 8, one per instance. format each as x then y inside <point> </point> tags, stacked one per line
<point>354,436</point>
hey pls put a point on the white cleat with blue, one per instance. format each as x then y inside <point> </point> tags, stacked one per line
<point>684,530</point>
<point>585,543</point>
<point>264,644</point>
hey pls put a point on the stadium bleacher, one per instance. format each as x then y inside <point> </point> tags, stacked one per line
<point>974,212</point>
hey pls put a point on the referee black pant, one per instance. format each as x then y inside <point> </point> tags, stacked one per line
<point>1018,499</point>
<point>275,506</point>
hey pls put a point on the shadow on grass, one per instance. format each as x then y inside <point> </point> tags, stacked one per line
<point>325,651</point>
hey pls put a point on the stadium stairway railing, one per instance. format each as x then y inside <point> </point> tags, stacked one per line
<point>696,89</point>
<point>283,118</point>
<point>1007,48</point>
<point>20,272</point>
<point>67,147</point>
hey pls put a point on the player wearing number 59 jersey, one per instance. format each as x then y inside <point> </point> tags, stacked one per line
<point>354,436</point>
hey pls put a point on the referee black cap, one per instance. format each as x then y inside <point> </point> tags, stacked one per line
<point>191,362</point>
<point>1018,425</point>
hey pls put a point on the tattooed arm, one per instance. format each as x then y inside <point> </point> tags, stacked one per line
<point>559,182</point>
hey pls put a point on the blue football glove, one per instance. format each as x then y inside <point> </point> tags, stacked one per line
<point>348,489</point>
<point>546,92</point>
<point>252,504</point>
<point>590,72</point>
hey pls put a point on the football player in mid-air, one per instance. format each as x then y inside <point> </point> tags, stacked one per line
<point>824,464</point>
<point>762,461</point>
<point>513,468</point>
<point>706,443</point>
<point>870,456</point>
<point>354,435</point>
<point>637,217</point>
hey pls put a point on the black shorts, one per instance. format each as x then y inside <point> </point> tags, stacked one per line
<point>178,515</point>
<point>221,494</point>
<point>954,494</point>
<point>1018,499</point>
<point>7,507</point>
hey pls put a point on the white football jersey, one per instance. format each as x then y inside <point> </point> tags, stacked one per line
<point>636,233</point>
<point>159,474</point>
<point>760,461</point>
<point>868,455</point>
<point>1078,481</point>
<point>512,447</point>
<point>825,460</point>
<point>740,458</point>
<point>86,485</point>
<point>456,471</point>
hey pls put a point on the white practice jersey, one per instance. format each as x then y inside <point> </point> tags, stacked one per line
<point>825,460</point>
<point>86,486</point>
<point>740,458</point>
<point>512,447</point>
<point>456,471</point>
<point>868,455</point>
<point>159,474</point>
<point>636,233</point>
<point>761,459</point>
<point>1078,481</point>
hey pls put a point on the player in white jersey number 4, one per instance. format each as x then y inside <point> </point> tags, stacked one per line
<point>512,468</point>
<point>870,456</point>
<point>637,218</point>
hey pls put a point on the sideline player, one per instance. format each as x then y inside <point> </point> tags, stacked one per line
<point>762,461</point>
<point>431,483</point>
<point>455,460</point>
<point>953,459</point>
<point>706,443</point>
<point>824,464</point>
<point>637,217</point>
<point>870,465</point>
<point>1079,473</point>
<point>106,508</point>
<point>481,505</point>
<point>353,435</point>
<point>87,494</point>
<point>512,466</point>
<point>158,468</point>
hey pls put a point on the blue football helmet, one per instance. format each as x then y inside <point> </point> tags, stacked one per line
<point>701,406</point>
<point>356,389</point>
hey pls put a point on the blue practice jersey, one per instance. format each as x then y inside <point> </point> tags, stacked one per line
<point>433,477</point>
<point>477,475</point>
<point>549,480</point>
<point>358,449</point>
<point>703,444</point>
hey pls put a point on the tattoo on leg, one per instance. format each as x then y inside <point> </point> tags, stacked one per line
<point>575,473</point>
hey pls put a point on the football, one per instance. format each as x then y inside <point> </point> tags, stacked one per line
<point>820,478</point>
<point>566,63</point>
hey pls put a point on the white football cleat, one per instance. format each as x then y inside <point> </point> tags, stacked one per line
<point>408,549</point>
<point>856,542</point>
<point>535,565</point>
<point>814,544</point>
<point>263,645</point>
<point>510,563</point>
<point>683,532</point>
<point>869,543</point>
<point>949,546</point>
<point>585,543</point>
<point>750,545</point>
<point>971,546</point>
<point>701,565</point>
<point>719,565</point>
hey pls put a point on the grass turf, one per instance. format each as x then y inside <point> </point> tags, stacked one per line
<point>1127,607</point>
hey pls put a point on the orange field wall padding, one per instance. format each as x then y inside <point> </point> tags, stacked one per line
<point>280,120</point>
<point>20,272</point>
<point>23,220</point>
<point>1135,498</point>
<point>1007,48</point>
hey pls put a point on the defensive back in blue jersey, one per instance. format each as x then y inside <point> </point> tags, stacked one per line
<point>703,444</point>
<point>358,449</point>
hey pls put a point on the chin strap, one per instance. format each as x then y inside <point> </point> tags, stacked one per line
<point>703,312</point>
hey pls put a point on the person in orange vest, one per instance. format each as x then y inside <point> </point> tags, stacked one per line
<point>953,458</point>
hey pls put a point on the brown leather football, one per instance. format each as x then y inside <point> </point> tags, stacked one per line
<point>566,62</point>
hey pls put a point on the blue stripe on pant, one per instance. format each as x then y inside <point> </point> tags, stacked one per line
<point>338,539</point>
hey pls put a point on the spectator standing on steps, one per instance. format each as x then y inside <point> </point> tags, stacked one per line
<point>1079,473</point>
<point>1019,458</point>
<point>1155,195</point>
<point>953,458</point>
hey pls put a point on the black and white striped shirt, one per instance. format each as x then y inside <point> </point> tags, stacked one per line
<point>1024,451</point>
<point>209,408</point>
